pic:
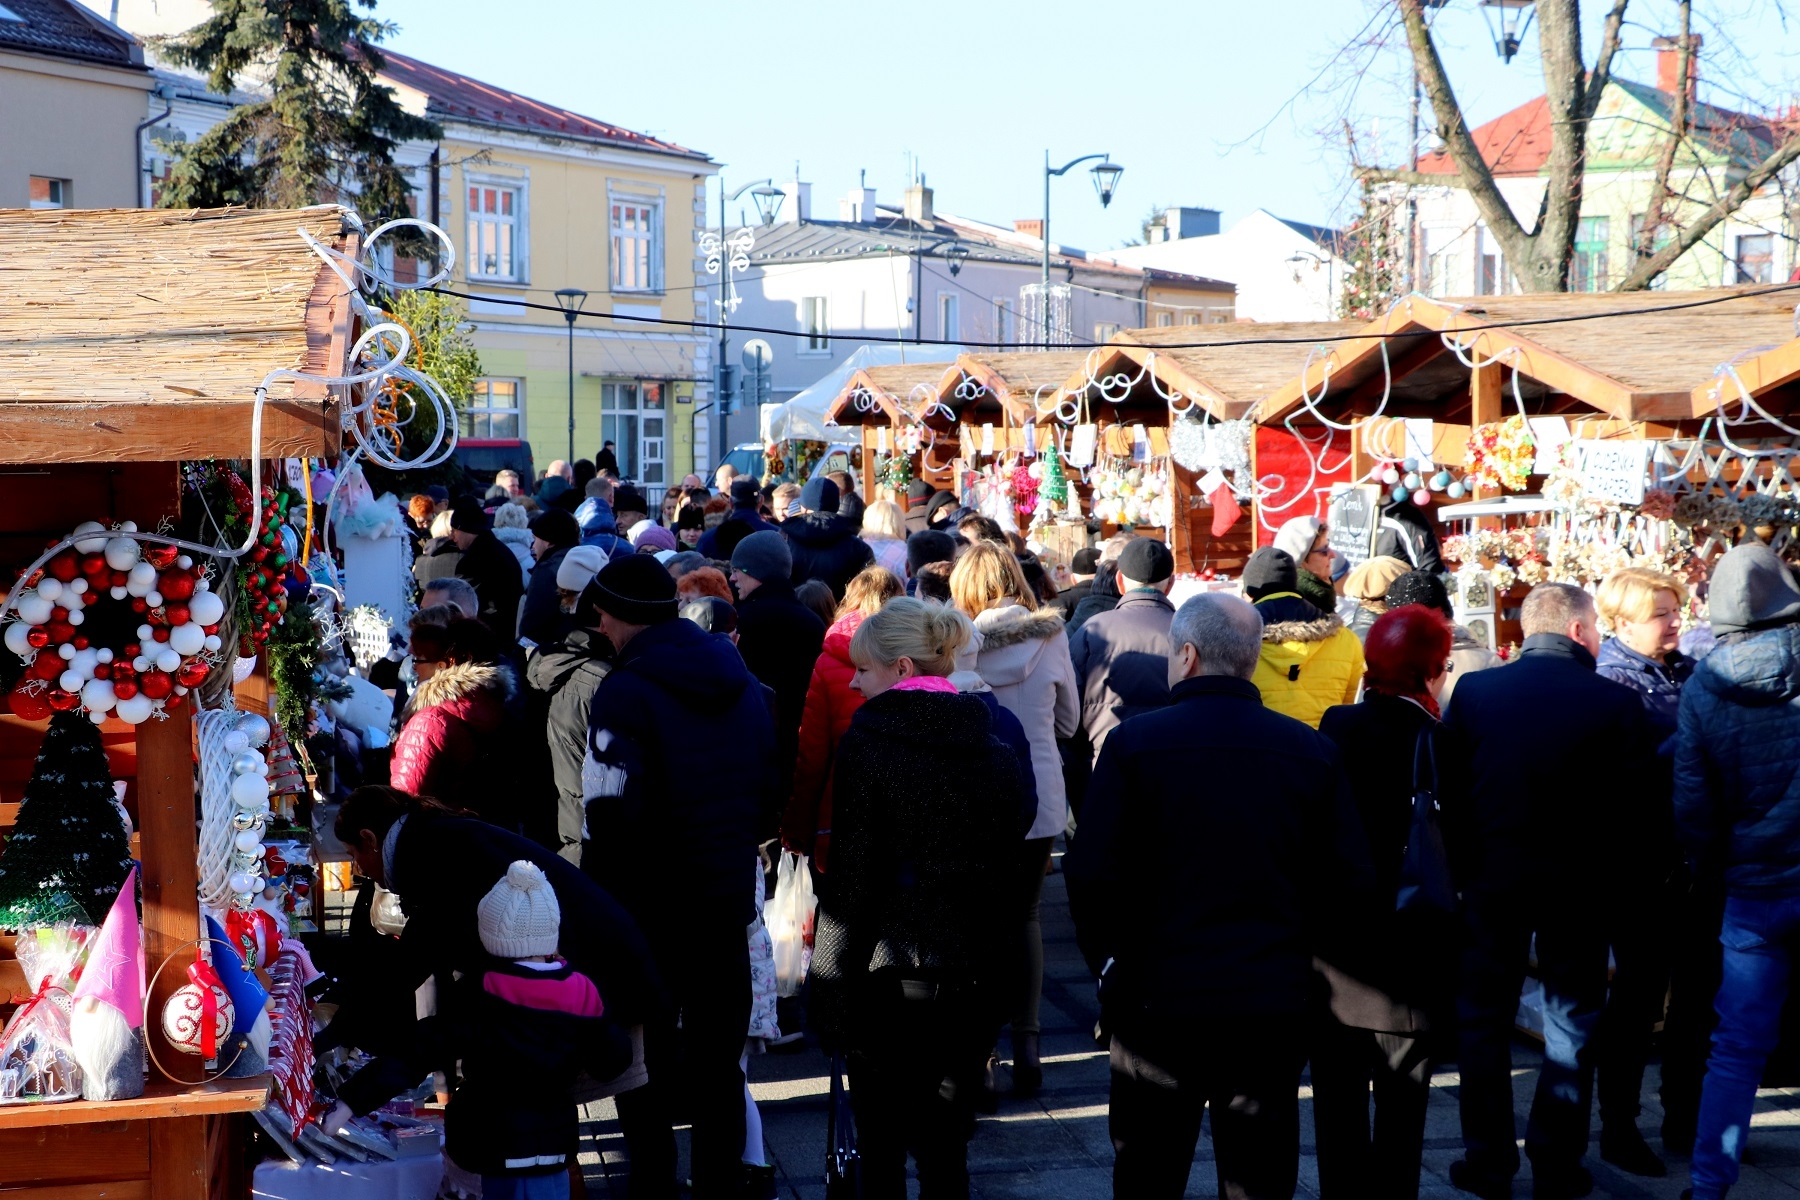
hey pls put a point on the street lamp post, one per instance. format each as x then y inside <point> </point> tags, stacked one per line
<point>956,255</point>
<point>570,301</point>
<point>727,257</point>
<point>1330,266</point>
<point>1508,20</point>
<point>1106,177</point>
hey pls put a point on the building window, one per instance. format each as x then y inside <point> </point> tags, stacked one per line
<point>1005,327</point>
<point>1192,318</point>
<point>949,316</point>
<point>1588,269</point>
<point>1164,320</point>
<point>815,322</point>
<point>1105,331</point>
<point>494,410</point>
<point>635,260</point>
<point>493,250</point>
<point>1756,258</point>
<point>49,193</point>
<point>633,418</point>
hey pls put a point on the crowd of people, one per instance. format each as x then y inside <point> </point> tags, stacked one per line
<point>1317,825</point>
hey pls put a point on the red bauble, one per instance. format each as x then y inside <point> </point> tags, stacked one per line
<point>79,641</point>
<point>63,701</point>
<point>209,630</point>
<point>160,633</point>
<point>93,565</point>
<point>58,613</point>
<point>176,585</point>
<point>32,706</point>
<point>103,671</point>
<point>60,631</point>
<point>160,556</point>
<point>155,684</point>
<point>65,566</point>
<point>124,689</point>
<point>178,614</point>
<point>259,554</point>
<point>120,578</point>
<point>132,650</point>
<point>121,669</point>
<point>139,604</point>
<point>172,703</point>
<point>192,675</point>
<point>47,666</point>
<point>38,636</point>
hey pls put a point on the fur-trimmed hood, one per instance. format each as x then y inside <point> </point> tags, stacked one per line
<point>1013,639</point>
<point>1289,618</point>
<point>461,682</point>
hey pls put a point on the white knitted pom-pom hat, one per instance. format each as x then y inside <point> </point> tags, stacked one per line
<point>519,917</point>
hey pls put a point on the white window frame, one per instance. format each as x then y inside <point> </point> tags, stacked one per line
<point>1105,331</point>
<point>1165,319</point>
<point>521,186</point>
<point>949,317</point>
<point>815,323</point>
<point>518,409</point>
<point>640,198</point>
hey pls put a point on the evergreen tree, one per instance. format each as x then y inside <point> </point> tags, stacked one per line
<point>326,132</point>
<point>1372,248</point>
<point>68,855</point>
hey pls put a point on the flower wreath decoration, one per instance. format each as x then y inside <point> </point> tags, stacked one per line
<point>112,627</point>
<point>1500,454</point>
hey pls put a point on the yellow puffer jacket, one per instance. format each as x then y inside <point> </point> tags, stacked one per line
<point>1309,660</point>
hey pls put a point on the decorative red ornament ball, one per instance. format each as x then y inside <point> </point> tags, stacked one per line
<point>38,636</point>
<point>63,701</point>
<point>65,566</point>
<point>32,706</point>
<point>46,667</point>
<point>155,684</point>
<point>103,671</point>
<point>120,578</point>
<point>60,631</point>
<point>58,613</point>
<point>79,641</point>
<point>178,614</point>
<point>160,633</point>
<point>193,674</point>
<point>209,630</point>
<point>93,565</point>
<point>132,650</point>
<point>125,689</point>
<point>176,585</point>
<point>139,604</point>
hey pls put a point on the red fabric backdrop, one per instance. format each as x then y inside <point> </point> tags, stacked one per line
<point>1280,453</point>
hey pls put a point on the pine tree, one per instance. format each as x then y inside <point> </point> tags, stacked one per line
<point>326,132</point>
<point>68,855</point>
<point>1055,487</point>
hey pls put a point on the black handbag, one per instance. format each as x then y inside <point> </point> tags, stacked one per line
<point>843,1164</point>
<point>1426,885</point>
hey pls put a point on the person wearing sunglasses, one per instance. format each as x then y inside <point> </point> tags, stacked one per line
<point>1307,541</point>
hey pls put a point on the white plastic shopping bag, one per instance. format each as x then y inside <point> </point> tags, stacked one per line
<point>789,917</point>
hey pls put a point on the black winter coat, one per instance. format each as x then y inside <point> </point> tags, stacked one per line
<point>1548,780</point>
<point>826,547</point>
<point>1737,764</point>
<point>1407,534</point>
<point>780,639</point>
<point>543,621</point>
<point>709,541</point>
<point>493,571</point>
<point>1103,596</point>
<point>680,777</point>
<point>925,828</point>
<point>1122,663</point>
<point>1212,895</point>
<point>562,679</point>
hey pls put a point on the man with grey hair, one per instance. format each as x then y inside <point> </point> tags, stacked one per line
<point>458,593</point>
<point>1200,908</point>
<point>1548,782</point>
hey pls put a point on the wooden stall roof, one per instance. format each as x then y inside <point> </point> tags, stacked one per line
<point>1770,373</point>
<point>143,333</point>
<point>1644,365</point>
<point>890,388</point>
<point>1016,382</point>
<point>1228,379</point>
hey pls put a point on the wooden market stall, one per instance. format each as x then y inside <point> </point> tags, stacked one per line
<point>1142,375</point>
<point>883,403</point>
<point>131,340</point>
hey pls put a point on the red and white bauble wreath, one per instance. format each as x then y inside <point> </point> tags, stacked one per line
<point>175,646</point>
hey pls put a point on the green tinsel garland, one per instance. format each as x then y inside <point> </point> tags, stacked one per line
<point>294,653</point>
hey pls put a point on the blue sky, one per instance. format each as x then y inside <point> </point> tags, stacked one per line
<point>1195,98</point>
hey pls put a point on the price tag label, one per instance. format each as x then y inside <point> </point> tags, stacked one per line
<point>987,439</point>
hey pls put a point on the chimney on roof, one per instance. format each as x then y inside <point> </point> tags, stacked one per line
<point>1031,227</point>
<point>796,203</point>
<point>1668,64</point>
<point>858,206</point>
<point>1175,223</point>
<point>916,204</point>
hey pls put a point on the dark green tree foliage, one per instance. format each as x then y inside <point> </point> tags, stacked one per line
<point>68,855</point>
<point>327,131</point>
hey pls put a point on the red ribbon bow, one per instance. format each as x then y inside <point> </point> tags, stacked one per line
<point>201,974</point>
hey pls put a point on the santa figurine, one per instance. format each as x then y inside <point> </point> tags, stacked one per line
<point>106,1026</point>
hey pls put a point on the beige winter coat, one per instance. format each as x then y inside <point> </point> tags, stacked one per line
<point>1024,658</point>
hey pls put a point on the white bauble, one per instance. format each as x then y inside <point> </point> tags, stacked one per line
<point>187,639</point>
<point>141,579</point>
<point>153,598</point>
<point>145,633</point>
<point>90,545</point>
<point>184,1019</point>
<point>136,710</point>
<point>244,881</point>
<point>167,661</point>
<point>103,655</point>
<point>254,727</point>
<point>97,695</point>
<point>85,661</point>
<point>76,616</point>
<point>98,718</point>
<point>128,526</point>
<point>206,608</point>
<point>181,689</point>
<point>202,584</point>
<point>121,553</point>
<point>262,768</point>
<point>18,638</point>
<point>78,585</point>
<point>117,593</point>
<point>141,663</point>
<point>66,651</point>
<point>214,641</point>
<point>236,740</point>
<point>248,842</point>
<point>50,587</point>
<point>33,609</point>
<point>184,562</point>
<point>249,792</point>
<point>71,681</point>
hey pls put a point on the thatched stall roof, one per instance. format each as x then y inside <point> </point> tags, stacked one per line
<point>1226,379</point>
<point>129,334</point>
<point>893,391</point>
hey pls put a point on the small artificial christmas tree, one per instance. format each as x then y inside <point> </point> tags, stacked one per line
<point>68,856</point>
<point>1055,487</point>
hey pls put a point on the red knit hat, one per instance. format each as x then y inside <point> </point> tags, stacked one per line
<point>1406,647</point>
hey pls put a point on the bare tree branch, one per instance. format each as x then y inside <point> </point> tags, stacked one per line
<point>1643,241</point>
<point>1647,269</point>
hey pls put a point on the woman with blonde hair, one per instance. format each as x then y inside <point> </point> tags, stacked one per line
<point>915,913</point>
<point>1023,655</point>
<point>1643,609</point>
<point>884,528</point>
<point>830,703</point>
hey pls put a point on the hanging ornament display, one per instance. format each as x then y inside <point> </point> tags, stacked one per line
<point>895,472</point>
<point>234,808</point>
<point>1025,477</point>
<point>197,1019</point>
<point>112,626</point>
<point>1500,454</point>
<point>1129,493</point>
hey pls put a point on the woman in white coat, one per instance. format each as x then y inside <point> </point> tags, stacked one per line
<point>1023,656</point>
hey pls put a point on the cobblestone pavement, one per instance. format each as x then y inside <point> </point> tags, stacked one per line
<point>1055,1147</point>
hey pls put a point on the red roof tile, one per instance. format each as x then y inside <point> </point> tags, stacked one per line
<point>457,97</point>
<point>1514,143</point>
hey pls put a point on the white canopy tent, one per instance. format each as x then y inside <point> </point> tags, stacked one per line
<point>804,415</point>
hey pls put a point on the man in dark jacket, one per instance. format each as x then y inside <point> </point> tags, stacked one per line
<point>1122,657</point>
<point>561,680</point>
<point>1543,830</point>
<point>1103,596</point>
<point>680,767</point>
<point>1201,913</point>
<point>778,636</point>
<point>1083,566</point>
<point>542,621</point>
<point>744,495</point>
<point>1406,534</point>
<point>488,567</point>
<point>1737,809</point>
<point>924,548</point>
<point>918,492</point>
<point>824,545</point>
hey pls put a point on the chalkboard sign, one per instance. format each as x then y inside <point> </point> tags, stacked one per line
<point>1354,519</point>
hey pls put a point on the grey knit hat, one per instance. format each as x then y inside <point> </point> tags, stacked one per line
<point>1751,589</point>
<point>519,917</point>
<point>763,556</point>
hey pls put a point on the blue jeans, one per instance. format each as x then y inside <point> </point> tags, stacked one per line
<point>1758,937</point>
<point>525,1187</point>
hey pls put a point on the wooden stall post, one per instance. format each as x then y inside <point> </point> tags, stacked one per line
<point>166,817</point>
<point>1487,400</point>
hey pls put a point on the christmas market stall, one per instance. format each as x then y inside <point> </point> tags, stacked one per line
<point>1552,437</point>
<point>886,405</point>
<point>157,370</point>
<point>1187,390</point>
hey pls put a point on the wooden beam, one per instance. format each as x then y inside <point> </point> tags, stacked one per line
<point>166,809</point>
<point>179,1166</point>
<point>1763,373</point>
<point>1487,404</point>
<point>38,434</point>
